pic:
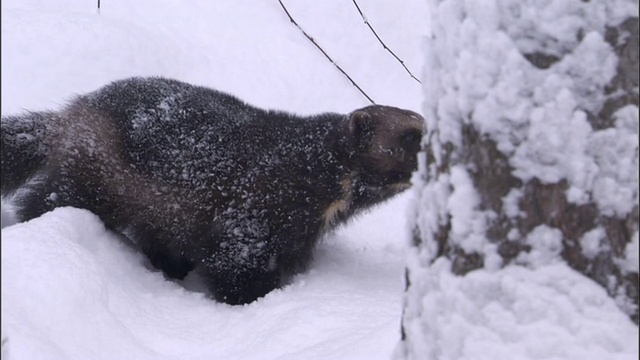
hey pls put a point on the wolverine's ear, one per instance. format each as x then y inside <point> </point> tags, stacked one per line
<point>361,127</point>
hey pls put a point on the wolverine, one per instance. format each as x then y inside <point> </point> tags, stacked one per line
<point>201,181</point>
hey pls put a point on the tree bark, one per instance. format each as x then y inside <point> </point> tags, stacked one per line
<point>529,131</point>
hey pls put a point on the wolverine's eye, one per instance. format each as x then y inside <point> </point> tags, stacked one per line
<point>411,138</point>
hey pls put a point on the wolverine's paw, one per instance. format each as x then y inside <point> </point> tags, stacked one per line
<point>243,288</point>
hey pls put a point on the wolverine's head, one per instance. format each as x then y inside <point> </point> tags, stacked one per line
<point>386,141</point>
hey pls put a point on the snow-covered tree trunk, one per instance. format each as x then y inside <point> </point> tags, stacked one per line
<point>531,152</point>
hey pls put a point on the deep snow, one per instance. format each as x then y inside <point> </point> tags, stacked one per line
<point>102,301</point>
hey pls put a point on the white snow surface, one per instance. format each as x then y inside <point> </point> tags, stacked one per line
<point>550,312</point>
<point>73,290</point>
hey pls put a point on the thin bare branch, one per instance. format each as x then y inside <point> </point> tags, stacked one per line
<point>382,42</point>
<point>325,53</point>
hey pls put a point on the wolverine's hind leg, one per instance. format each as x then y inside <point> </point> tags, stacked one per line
<point>156,245</point>
<point>37,196</point>
<point>172,265</point>
<point>23,152</point>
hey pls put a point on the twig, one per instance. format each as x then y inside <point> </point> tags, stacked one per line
<point>383,44</point>
<point>325,53</point>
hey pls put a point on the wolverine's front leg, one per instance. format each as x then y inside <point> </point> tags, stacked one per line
<point>241,267</point>
<point>240,281</point>
<point>240,285</point>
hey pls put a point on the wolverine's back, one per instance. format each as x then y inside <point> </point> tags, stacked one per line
<point>171,128</point>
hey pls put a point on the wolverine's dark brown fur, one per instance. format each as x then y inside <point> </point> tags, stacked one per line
<point>200,180</point>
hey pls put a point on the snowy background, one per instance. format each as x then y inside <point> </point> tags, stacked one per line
<point>72,290</point>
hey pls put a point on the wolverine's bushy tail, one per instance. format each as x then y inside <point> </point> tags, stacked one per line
<point>24,149</point>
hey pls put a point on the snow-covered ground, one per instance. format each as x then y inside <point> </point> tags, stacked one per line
<point>71,290</point>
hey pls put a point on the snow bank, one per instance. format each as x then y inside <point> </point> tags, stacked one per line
<point>550,312</point>
<point>73,290</point>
